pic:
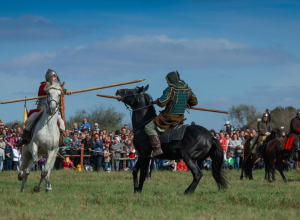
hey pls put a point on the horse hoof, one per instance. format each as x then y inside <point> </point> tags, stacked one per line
<point>137,191</point>
<point>22,190</point>
<point>48,190</point>
<point>20,177</point>
<point>36,189</point>
<point>285,181</point>
<point>274,180</point>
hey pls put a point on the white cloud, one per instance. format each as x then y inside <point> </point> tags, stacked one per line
<point>131,53</point>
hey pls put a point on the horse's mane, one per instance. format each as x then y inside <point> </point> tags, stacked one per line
<point>149,97</point>
<point>53,85</point>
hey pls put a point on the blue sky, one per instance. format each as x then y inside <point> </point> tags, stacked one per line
<point>229,52</point>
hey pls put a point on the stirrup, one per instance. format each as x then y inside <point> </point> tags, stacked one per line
<point>258,155</point>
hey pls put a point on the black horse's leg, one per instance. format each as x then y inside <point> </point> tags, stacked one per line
<point>242,170</point>
<point>273,173</point>
<point>143,173</point>
<point>135,171</point>
<point>269,171</point>
<point>266,169</point>
<point>280,168</point>
<point>197,174</point>
<point>149,169</point>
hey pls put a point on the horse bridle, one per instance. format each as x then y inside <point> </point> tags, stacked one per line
<point>132,110</point>
<point>52,100</point>
<point>135,95</point>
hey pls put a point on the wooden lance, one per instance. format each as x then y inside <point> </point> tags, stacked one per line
<point>195,108</point>
<point>77,91</point>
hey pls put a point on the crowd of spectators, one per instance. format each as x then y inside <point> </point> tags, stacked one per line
<point>105,148</point>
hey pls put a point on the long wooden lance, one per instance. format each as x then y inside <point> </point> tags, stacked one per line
<point>194,108</point>
<point>77,91</point>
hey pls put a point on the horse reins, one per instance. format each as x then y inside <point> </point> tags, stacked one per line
<point>132,110</point>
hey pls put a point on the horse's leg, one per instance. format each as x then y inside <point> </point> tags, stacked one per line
<point>49,167</point>
<point>143,172</point>
<point>135,171</point>
<point>23,183</point>
<point>197,174</point>
<point>280,168</point>
<point>273,173</point>
<point>242,170</point>
<point>34,160</point>
<point>26,158</point>
<point>149,169</point>
<point>266,169</point>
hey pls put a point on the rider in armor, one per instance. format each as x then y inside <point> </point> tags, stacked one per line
<point>292,142</point>
<point>52,76</point>
<point>264,129</point>
<point>176,97</point>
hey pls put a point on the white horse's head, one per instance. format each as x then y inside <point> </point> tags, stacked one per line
<point>54,91</point>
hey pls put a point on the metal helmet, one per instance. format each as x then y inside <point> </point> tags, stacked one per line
<point>265,115</point>
<point>49,74</point>
<point>298,111</point>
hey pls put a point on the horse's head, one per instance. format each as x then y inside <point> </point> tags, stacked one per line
<point>53,91</point>
<point>275,133</point>
<point>135,98</point>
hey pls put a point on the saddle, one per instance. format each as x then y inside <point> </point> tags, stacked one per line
<point>174,133</point>
<point>283,142</point>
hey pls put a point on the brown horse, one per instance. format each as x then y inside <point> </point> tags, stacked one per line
<point>272,154</point>
<point>250,158</point>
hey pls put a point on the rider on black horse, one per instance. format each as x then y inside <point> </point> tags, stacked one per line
<point>176,97</point>
<point>292,142</point>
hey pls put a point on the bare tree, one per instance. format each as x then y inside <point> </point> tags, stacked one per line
<point>283,116</point>
<point>243,116</point>
<point>107,117</point>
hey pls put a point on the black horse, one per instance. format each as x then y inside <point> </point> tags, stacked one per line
<point>196,145</point>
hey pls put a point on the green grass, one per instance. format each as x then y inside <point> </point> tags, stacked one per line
<point>86,195</point>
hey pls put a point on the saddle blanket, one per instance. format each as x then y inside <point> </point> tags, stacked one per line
<point>32,111</point>
<point>175,134</point>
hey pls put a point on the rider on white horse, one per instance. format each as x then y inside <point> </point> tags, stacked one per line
<point>35,114</point>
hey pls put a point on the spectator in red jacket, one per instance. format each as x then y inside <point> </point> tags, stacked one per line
<point>181,165</point>
<point>223,141</point>
<point>67,163</point>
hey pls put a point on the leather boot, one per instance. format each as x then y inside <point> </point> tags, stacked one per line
<point>62,137</point>
<point>156,147</point>
<point>25,138</point>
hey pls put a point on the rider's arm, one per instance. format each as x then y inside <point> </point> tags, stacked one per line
<point>192,101</point>
<point>165,98</point>
<point>67,92</point>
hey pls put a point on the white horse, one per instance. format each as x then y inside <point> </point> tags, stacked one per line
<point>45,139</point>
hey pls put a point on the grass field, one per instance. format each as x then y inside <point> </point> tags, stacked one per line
<point>86,195</point>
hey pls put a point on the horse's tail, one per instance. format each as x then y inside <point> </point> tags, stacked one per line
<point>217,156</point>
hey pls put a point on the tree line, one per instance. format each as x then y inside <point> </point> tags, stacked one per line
<point>244,116</point>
